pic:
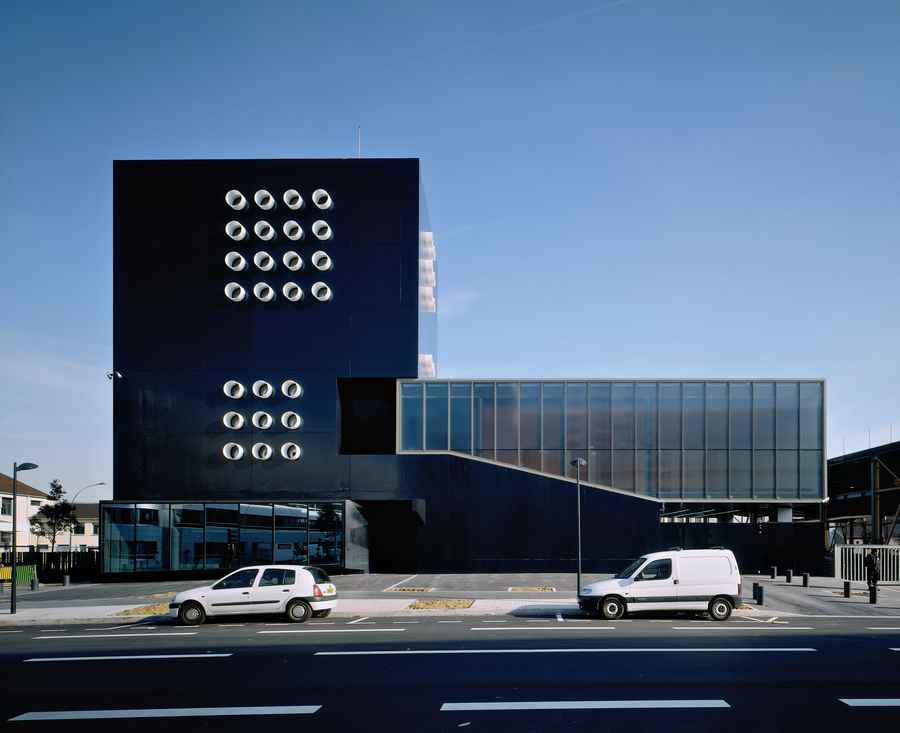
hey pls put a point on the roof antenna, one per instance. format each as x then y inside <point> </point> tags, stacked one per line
<point>359,141</point>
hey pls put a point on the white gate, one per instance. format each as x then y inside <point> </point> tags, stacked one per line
<point>848,562</point>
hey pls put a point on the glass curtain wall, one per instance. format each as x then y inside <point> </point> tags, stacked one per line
<point>219,536</point>
<point>751,439</point>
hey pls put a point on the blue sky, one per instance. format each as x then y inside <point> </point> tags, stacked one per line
<point>638,188</point>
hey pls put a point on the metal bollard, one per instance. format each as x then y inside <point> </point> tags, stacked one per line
<point>873,594</point>
<point>846,589</point>
<point>34,584</point>
<point>756,591</point>
<point>788,575</point>
<point>65,579</point>
<point>806,580</point>
<point>774,572</point>
<point>760,596</point>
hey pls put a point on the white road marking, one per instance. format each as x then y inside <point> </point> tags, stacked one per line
<point>871,702</point>
<point>57,630</point>
<point>11,632</point>
<point>583,705</point>
<point>170,712</point>
<point>883,628</point>
<point>591,650</point>
<point>322,631</point>
<point>743,628</point>
<point>113,628</point>
<point>895,649</point>
<point>404,622</point>
<point>489,621</point>
<point>116,636</point>
<point>223,626</point>
<point>359,620</point>
<point>400,582</point>
<point>449,622</point>
<point>132,657</point>
<point>559,618</point>
<point>543,628</point>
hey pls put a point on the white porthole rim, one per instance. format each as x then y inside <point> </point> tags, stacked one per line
<point>322,199</point>
<point>236,230</point>
<point>292,261</point>
<point>263,389</point>
<point>233,451</point>
<point>321,291</point>
<point>291,420</point>
<point>236,200</point>
<point>264,292</point>
<point>234,389</point>
<point>263,199</point>
<point>292,199</point>
<point>235,292</point>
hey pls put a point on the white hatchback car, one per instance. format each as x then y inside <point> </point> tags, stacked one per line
<point>299,592</point>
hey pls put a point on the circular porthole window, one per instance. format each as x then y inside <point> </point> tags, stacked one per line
<point>233,420</point>
<point>235,261</point>
<point>292,230</point>
<point>262,420</point>
<point>235,230</point>
<point>291,388</point>
<point>264,199</point>
<point>321,230</point>
<point>291,451</point>
<point>321,199</point>
<point>292,199</point>
<point>320,291</point>
<point>235,292</point>
<point>262,389</point>
<point>261,451</point>
<point>233,452</point>
<point>292,292</point>
<point>264,230</point>
<point>235,199</point>
<point>292,261</point>
<point>321,261</point>
<point>264,261</point>
<point>234,389</point>
<point>291,420</point>
<point>263,292</point>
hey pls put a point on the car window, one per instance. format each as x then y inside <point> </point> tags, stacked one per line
<point>319,575</point>
<point>627,572</point>
<point>656,570</point>
<point>240,579</point>
<point>277,576</point>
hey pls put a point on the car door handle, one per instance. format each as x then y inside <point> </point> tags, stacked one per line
<point>245,593</point>
<point>675,582</point>
<point>286,590</point>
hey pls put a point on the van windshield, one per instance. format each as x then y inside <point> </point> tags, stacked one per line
<point>627,572</point>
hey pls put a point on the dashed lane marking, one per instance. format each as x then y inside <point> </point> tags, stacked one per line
<point>325,631</point>
<point>743,628</point>
<point>567,627</point>
<point>116,636</point>
<point>591,650</point>
<point>582,705</point>
<point>871,702</point>
<point>170,712</point>
<point>134,657</point>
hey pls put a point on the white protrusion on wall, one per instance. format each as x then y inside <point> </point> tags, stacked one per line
<point>322,199</point>
<point>235,261</point>
<point>264,292</point>
<point>233,451</point>
<point>235,199</point>
<point>263,389</point>
<point>291,420</point>
<point>264,261</point>
<point>292,291</point>
<point>292,199</point>
<point>264,199</point>
<point>426,366</point>
<point>233,420</point>
<point>321,260</point>
<point>321,230</point>
<point>264,230</point>
<point>262,420</point>
<point>235,230</point>
<point>235,292</point>
<point>292,230</point>
<point>291,451</point>
<point>234,389</point>
<point>320,291</point>
<point>291,388</point>
<point>261,451</point>
<point>292,261</point>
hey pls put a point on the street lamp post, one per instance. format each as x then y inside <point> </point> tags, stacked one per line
<point>77,494</point>
<point>12,580</point>
<point>578,463</point>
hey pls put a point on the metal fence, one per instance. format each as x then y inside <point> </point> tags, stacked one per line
<point>848,562</point>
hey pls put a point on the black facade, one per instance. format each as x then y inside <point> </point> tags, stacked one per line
<point>243,407</point>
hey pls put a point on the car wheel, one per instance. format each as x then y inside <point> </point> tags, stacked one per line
<point>720,608</point>
<point>612,608</point>
<point>322,614</point>
<point>298,611</point>
<point>191,614</point>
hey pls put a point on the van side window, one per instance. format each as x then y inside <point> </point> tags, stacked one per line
<point>656,570</point>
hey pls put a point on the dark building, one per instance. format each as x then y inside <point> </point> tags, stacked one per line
<point>275,332</point>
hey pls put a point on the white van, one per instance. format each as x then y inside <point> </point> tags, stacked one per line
<point>678,580</point>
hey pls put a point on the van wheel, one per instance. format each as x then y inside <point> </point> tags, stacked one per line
<point>191,614</point>
<point>720,608</point>
<point>322,614</point>
<point>612,608</point>
<point>298,611</point>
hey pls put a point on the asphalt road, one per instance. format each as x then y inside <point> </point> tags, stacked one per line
<point>479,673</point>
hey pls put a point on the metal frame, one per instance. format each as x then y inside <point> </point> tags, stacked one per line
<point>729,489</point>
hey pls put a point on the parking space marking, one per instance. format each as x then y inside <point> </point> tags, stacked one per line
<point>871,702</point>
<point>883,628</point>
<point>117,636</point>
<point>358,621</point>
<point>136,657</point>
<point>559,618</point>
<point>582,705</point>
<point>324,631</point>
<point>493,621</point>
<point>11,632</point>
<point>400,582</point>
<point>567,627</point>
<point>590,650</point>
<point>170,712</point>
<point>743,628</point>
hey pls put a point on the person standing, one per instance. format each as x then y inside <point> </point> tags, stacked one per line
<point>871,565</point>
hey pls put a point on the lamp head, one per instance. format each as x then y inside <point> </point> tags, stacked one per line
<point>578,462</point>
<point>25,466</point>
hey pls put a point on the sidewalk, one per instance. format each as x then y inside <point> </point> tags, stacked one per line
<point>823,597</point>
